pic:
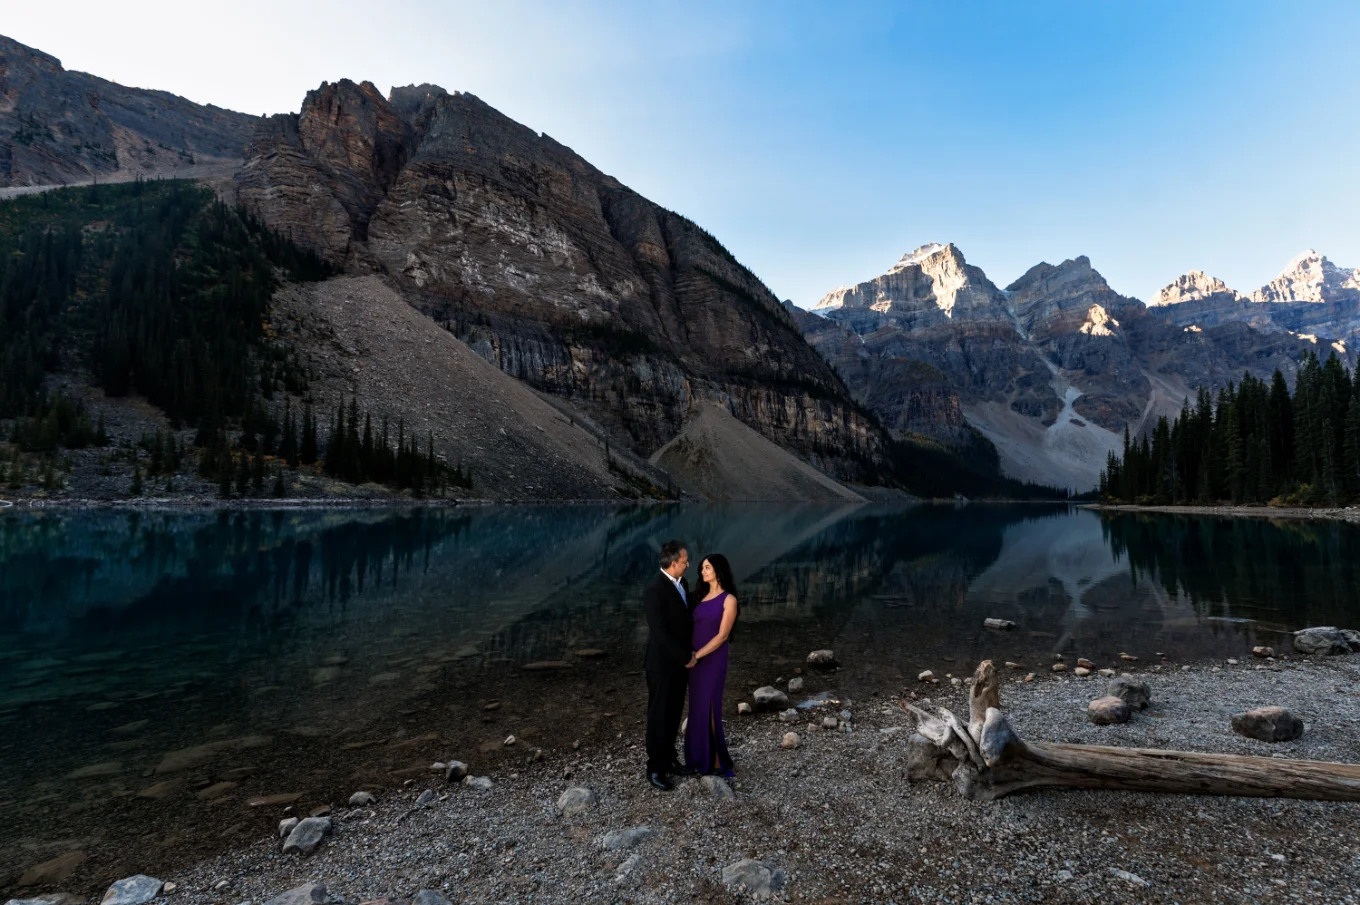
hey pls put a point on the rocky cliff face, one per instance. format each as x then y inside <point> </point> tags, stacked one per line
<point>58,127</point>
<point>555,272</point>
<point>1053,368</point>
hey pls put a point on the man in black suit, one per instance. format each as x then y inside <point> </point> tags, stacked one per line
<point>669,654</point>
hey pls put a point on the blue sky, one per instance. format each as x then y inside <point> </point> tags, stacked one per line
<point>819,141</point>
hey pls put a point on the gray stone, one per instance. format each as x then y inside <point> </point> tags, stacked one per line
<point>1129,878</point>
<point>456,771</point>
<point>429,897</point>
<point>480,783</point>
<point>1327,640</point>
<point>998,623</point>
<point>133,891</point>
<point>307,835</point>
<point>830,722</point>
<point>627,867</point>
<point>621,839</point>
<point>286,826</point>
<point>717,787</point>
<point>575,801</point>
<point>788,716</point>
<point>426,799</point>
<point>744,707</point>
<point>754,876</point>
<point>306,894</point>
<point>1268,724</point>
<point>795,684</point>
<point>821,659</point>
<point>790,741</point>
<point>770,698</point>
<point>1108,711</point>
<point>361,799</point>
<point>1131,691</point>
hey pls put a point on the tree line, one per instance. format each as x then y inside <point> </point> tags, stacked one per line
<point>1253,443</point>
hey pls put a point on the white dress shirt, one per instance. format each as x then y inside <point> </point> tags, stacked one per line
<point>678,586</point>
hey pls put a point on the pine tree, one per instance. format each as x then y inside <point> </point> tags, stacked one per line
<point>136,488</point>
<point>307,452</point>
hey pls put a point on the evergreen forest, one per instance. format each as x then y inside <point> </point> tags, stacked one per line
<point>1254,443</point>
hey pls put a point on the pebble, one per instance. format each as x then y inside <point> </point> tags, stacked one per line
<point>286,826</point>
<point>1085,663</point>
<point>575,801</point>
<point>830,722</point>
<point>480,783</point>
<point>744,707</point>
<point>133,891</point>
<point>1231,662</point>
<point>821,659</point>
<point>926,676</point>
<point>1081,671</point>
<point>1010,665</point>
<point>1107,673</point>
<point>795,685</point>
<point>1060,667</point>
<point>1262,652</point>
<point>426,798</point>
<point>788,716</point>
<point>1128,877</point>
<point>509,740</point>
<point>1128,658</point>
<point>790,741</point>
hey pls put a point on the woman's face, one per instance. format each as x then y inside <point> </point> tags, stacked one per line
<point>706,572</point>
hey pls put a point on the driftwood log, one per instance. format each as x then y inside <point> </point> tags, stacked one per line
<point>986,759</point>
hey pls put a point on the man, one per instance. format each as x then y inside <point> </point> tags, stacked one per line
<point>669,655</point>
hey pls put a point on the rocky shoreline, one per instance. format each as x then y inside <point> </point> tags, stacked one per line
<point>1347,513</point>
<point>835,818</point>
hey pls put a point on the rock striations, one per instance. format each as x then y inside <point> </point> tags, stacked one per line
<point>1055,367</point>
<point>60,127</point>
<point>551,270</point>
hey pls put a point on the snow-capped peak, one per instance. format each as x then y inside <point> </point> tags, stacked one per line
<point>919,255</point>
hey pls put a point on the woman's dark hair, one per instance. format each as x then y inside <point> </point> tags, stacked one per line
<point>723,571</point>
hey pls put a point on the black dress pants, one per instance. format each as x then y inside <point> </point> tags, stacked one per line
<point>665,704</point>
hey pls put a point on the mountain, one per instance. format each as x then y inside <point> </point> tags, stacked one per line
<point>1053,368</point>
<point>59,127</point>
<point>553,271</point>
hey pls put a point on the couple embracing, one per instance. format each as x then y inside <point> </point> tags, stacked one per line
<point>687,652</point>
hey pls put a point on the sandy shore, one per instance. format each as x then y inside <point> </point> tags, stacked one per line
<point>839,818</point>
<point>1348,513</point>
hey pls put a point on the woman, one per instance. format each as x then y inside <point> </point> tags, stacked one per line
<point>714,615</point>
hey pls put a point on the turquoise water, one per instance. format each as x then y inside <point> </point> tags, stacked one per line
<point>298,651</point>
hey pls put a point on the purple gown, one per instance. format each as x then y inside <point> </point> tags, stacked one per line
<point>704,738</point>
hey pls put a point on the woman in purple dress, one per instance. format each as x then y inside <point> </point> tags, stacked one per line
<point>714,615</point>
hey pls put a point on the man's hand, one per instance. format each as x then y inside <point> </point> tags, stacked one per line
<point>693,658</point>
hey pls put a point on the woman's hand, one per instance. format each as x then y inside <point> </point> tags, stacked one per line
<point>693,658</point>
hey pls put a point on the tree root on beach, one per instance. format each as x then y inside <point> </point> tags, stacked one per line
<point>986,760</point>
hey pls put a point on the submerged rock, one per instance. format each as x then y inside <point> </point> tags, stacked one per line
<point>133,891</point>
<point>1268,724</point>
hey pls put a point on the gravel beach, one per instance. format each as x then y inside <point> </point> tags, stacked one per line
<point>836,820</point>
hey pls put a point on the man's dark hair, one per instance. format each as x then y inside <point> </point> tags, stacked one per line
<point>670,552</point>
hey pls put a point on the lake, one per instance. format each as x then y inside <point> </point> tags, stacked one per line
<point>161,669</point>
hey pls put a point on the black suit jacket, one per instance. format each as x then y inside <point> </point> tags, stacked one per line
<point>670,626</point>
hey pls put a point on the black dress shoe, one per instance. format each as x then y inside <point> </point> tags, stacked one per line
<point>659,781</point>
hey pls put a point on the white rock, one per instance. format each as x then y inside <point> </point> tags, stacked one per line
<point>480,783</point>
<point>286,826</point>
<point>790,740</point>
<point>1129,878</point>
<point>133,890</point>
<point>361,799</point>
<point>744,707</point>
<point>926,676</point>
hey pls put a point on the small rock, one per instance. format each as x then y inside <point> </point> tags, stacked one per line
<point>169,888</point>
<point>1129,658</point>
<point>1129,878</point>
<point>1131,691</point>
<point>790,741</point>
<point>429,897</point>
<point>998,623</point>
<point>361,799</point>
<point>1085,663</point>
<point>788,716</point>
<point>575,801</point>
<point>1268,724</point>
<point>755,877</point>
<point>1231,662</point>
<point>456,771</point>
<point>744,707</point>
<point>1029,677</point>
<point>717,787</point>
<point>426,799</point>
<point>1107,673</point>
<point>830,722</point>
<point>438,767</point>
<point>509,740</point>
<point>1010,665</point>
<point>1108,711</point>
<point>1057,658</point>
<point>1081,671</point>
<point>286,826</point>
<point>223,884</point>
<point>306,894</point>
<point>770,698</point>
<point>955,681</point>
<point>795,685</point>
<point>479,783</point>
<point>1060,667</point>
<point>821,659</point>
<point>1262,652</point>
<point>307,835</point>
<point>133,891</point>
<point>1064,876</point>
<point>621,839</point>
<point>926,676</point>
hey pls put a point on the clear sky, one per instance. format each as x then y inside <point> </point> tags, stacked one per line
<point>819,140</point>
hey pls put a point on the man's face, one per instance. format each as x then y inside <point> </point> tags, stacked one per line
<point>681,565</point>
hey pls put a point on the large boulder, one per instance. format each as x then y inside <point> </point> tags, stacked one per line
<point>1268,724</point>
<point>1326,639</point>
<point>1131,691</point>
<point>770,698</point>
